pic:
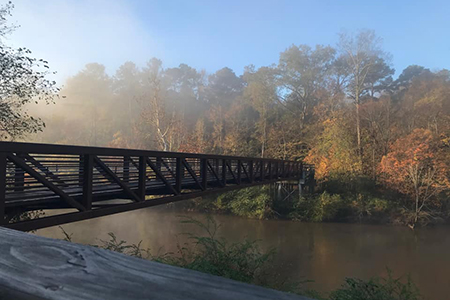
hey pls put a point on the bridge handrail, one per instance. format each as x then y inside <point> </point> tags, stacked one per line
<point>41,148</point>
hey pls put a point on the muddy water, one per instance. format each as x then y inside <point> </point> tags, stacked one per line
<point>323,252</point>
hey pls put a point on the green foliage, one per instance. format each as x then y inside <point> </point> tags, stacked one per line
<point>243,261</point>
<point>377,288</point>
<point>318,208</point>
<point>121,246</point>
<point>23,81</point>
<point>253,202</point>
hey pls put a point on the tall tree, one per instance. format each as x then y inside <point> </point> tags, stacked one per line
<point>303,76</point>
<point>261,92</point>
<point>368,68</point>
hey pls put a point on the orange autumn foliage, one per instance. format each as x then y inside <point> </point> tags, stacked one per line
<point>413,168</point>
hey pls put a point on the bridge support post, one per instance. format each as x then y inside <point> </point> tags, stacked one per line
<point>262,170</point>
<point>178,174</point>
<point>19,178</point>
<point>126,169</point>
<point>224,172</point>
<point>239,171</point>
<point>2,187</point>
<point>142,177</point>
<point>80,168</point>
<point>88,168</point>
<point>250,170</point>
<point>270,170</point>
<point>204,172</point>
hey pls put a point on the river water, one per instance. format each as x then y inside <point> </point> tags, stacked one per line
<point>326,253</point>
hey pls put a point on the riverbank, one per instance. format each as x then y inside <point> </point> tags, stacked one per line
<point>343,206</point>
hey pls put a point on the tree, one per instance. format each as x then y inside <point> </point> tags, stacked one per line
<point>158,117</point>
<point>368,70</point>
<point>412,168</point>
<point>23,80</point>
<point>261,93</point>
<point>302,79</point>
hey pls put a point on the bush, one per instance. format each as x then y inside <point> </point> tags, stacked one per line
<point>318,208</point>
<point>242,261</point>
<point>377,288</point>
<point>253,202</point>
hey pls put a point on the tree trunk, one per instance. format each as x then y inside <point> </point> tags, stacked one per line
<point>358,129</point>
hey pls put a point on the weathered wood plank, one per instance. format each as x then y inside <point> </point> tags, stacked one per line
<point>33,267</point>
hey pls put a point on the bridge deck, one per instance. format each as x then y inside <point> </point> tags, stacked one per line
<point>85,179</point>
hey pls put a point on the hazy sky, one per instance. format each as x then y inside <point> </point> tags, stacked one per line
<point>212,34</point>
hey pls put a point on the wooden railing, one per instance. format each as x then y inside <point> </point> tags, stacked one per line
<point>34,267</point>
<point>84,180</point>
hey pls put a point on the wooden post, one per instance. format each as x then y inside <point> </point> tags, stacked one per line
<point>142,178</point>
<point>88,169</point>
<point>126,169</point>
<point>204,172</point>
<point>178,175</point>
<point>2,187</point>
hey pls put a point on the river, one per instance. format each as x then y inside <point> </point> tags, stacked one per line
<point>326,253</point>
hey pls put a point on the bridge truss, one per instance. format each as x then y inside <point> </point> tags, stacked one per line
<point>76,183</point>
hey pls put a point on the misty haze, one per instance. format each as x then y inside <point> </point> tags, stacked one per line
<point>297,146</point>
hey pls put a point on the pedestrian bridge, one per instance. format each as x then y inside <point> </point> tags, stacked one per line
<point>79,183</point>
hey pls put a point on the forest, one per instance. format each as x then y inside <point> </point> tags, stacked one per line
<point>380,143</point>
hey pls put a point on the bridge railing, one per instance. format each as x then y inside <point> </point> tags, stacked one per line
<point>84,180</point>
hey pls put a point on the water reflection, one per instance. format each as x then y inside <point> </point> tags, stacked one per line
<point>323,252</point>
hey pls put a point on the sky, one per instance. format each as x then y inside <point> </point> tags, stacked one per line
<point>212,34</point>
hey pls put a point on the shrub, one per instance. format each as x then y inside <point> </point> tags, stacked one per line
<point>377,288</point>
<point>242,261</point>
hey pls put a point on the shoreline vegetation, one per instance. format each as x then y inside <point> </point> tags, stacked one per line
<point>342,202</point>
<point>245,261</point>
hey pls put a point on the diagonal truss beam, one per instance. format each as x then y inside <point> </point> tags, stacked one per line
<point>243,168</point>
<point>44,169</point>
<point>161,176</point>
<point>231,170</point>
<point>194,176</point>
<point>116,179</point>
<point>22,164</point>
<point>215,174</point>
<point>168,167</point>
